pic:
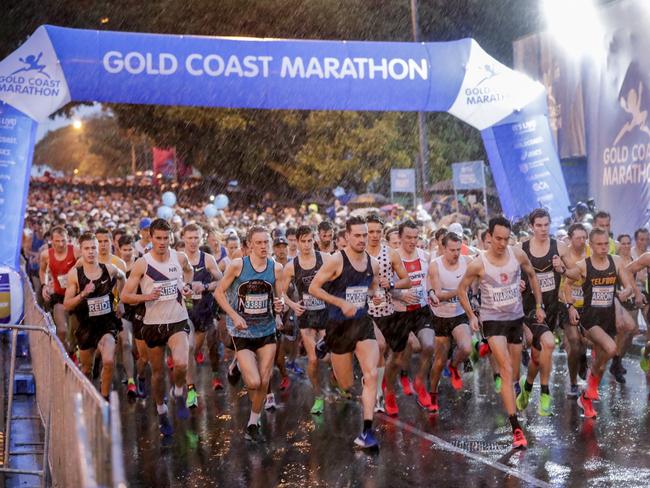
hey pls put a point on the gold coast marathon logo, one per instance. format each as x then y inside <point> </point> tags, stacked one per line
<point>30,78</point>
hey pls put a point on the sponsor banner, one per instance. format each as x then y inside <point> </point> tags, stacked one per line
<point>402,181</point>
<point>526,169</point>
<point>17,136</point>
<point>164,162</point>
<point>468,175</point>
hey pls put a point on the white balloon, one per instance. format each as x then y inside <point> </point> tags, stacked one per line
<point>221,201</point>
<point>210,210</point>
<point>169,198</point>
<point>165,212</point>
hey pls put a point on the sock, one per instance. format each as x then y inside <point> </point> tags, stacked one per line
<point>161,409</point>
<point>514,422</point>
<point>367,425</point>
<point>496,375</point>
<point>178,391</point>
<point>190,386</point>
<point>380,380</point>
<point>254,418</point>
<point>545,390</point>
<point>529,387</point>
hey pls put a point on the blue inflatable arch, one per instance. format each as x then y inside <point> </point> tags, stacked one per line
<point>57,65</point>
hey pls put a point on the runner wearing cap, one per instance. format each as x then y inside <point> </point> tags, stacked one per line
<point>144,244</point>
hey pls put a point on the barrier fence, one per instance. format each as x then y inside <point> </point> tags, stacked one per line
<point>74,415</point>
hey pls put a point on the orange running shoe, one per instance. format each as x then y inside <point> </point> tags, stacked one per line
<point>200,357</point>
<point>434,408</point>
<point>518,439</point>
<point>423,398</point>
<point>217,384</point>
<point>391,404</point>
<point>591,392</point>
<point>456,379</point>
<point>405,381</point>
<point>284,384</point>
<point>585,404</point>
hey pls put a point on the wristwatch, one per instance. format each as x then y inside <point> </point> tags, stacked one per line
<point>391,285</point>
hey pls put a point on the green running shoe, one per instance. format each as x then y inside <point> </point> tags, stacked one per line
<point>544,408</point>
<point>192,399</point>
<point>474,357</point>
<point>644,362</point>
<point>524,396</point>
<point>319,405</point>
<point>497,384</point>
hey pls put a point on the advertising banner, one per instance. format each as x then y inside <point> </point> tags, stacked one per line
<point>468,175</point>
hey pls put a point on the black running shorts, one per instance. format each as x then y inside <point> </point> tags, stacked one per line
<point>89,335</point>
<point>342,337</point>
<point>157,335</point>
<point>444,326</point>
<point>512,330</point>
<point>251,343</point>
<point>395,334</point>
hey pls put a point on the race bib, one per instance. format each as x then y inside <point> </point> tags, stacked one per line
<point>168,290</point>
<point>504,296</point>
<point>448,307</point>
<point>311,303</point>
<point>546,281</point>
<point>578,296</point>
<point>602,296</point>
<point>196,296</point>
<point>419,291</point>
<point>256,304</point>
<point>63,280</point>
<point>356,295</point>
<point>99,306</point>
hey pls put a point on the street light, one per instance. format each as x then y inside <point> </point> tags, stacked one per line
<point>575,25</point>
<point>77,124</point>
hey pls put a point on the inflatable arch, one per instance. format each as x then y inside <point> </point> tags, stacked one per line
<point>57,65</point>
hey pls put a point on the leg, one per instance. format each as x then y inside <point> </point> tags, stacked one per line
<point>179,344</point>
<point>575,349</point>
<point>342,367</point>
<point>442,346</point>
<point>126,335</point>
<point>86,361</point>
<point>156,357</point>
<point>463,338</point>
<point>605,348</point>
<point>143,357</point>
<point>426,338</point>
<point>546,357</point>
<point>60,317</point>
<point>367,354</point>
<point>504,357</point>
<point>212,338</point>
<point>106,348</point>
<point>199,338</point>
<point>309,338</point>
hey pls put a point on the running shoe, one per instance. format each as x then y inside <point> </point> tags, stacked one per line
<point>366,440</point>
<point>217,384</point>
<point>391,404</point>
<point>456,379</point>
<point>142,387</point>
<point>182,412</point>
<point>644,362</point>
<point>423,398</point>
<point>166,428</point>
<point>285,383</point>
<point>200,358</point>
<point>616,371</point>
<point>131,389</point>
<point>170,362</point>
<point>234,375</point>
<point>445,371</point>
<point>380,405</point>
<point>321,349</point>
<point>405,381</point>
<point>484,349</point>
<point>574,391</point>
<point>497,384</point>
<point>544,407</point>
<point>192,398</point>
<point>474,356</point>
<point>523,397</point>
<point>518,439</point>
<point>434,408</point>
<point>587,407</point>
<point>270,404</point>
<point>583,367</point>
<point>591,391</point>
<point>318,406</point>
<point>252,433</point>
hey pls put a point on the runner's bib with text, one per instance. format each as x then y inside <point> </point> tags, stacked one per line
<point>578,296</point>
<point>312,303</point>
<point>503,296</point>
<point>602,296</point>
<point>63,280</point>
<point>356,295</point>
<point>256,303</point>
<point>168,289</point>
<point>98,306</point>
<point>546,281</point>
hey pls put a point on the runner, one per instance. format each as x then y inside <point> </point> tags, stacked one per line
<point>326,237</point>
<point>601,274</point>
<point>248,296</point>
<point>545,255</point>
<point>233,251</point>
<point>311,312</point>
<point>58,260</point>
<point>383,315</point>
<point>293,243</point>
<point>640,264</point>
<point>392,237</point>
<point>203,306</point>
<point>498,271</point>
<point>162,274</point>
<point>143,245</point>
<point>345,282</point>
<point>89,295</point>
<point>450,320</point>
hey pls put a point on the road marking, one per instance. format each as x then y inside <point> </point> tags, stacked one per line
<point>481,459</point>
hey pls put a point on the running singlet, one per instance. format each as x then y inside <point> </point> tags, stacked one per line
<point>59,269</point>
<point>98,305</point>
<point>547,278</point>
<point>599,286</point>
<point>449,281</point>
<point>203,303</point>
<point>168,277</point>
<point>500,296</point>
<point>316,309</point>
<point>385,308</point>
<point>251,295</point>
<point>417,270</point>
<point>352,286</point>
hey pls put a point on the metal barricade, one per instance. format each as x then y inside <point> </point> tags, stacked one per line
<point>62,392</point>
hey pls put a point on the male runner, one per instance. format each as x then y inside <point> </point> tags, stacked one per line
<point>325,237</point>
<point>89,295</point>
<point>450,320</point>
<point>311,312</point>
<point>143,245</point>
<point>58,260</point>
<point>204,307</point>
<point>383,315</point>
<point>249,293</point>
<point>163,276</point>
<point>292,252</point>
<point>412,314</point>
<point>642,263</point>
<point>545,255</point>
<point>344,282</point>
<point>498,271</point>
<point>601,273</point>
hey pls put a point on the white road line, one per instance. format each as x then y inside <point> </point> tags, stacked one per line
<point>481,459</point>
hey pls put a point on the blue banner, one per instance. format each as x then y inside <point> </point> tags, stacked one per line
<point>468,175</point>
<point>402,181</point>
<point>17,136</point>
<point>526,169</point>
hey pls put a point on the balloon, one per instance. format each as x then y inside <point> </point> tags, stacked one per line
<point>169,198</point>
<point>165,212</point>
<point>221,201</point>
<point>210,210</point>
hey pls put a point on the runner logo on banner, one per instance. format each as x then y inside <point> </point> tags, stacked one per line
<point>468,176</point>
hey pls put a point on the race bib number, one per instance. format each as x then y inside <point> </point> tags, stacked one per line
<point>256,304</point>
<point>168,290</point>
<point>546,281</point>
<point>311,303</point>
<point>602,296</point>
<point>63,280</point>
<point>196,296</point>
<point>99,306</point>
<point>419,291</point>
<point>356,295</point>
<point>448,307</point>
<point>578,296</point>
<point>504,296</point>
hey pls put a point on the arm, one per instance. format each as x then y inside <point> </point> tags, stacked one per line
<point>278,301</point>
<point>434,281</point>
<point>472,274</point>
<point>129,293</point>
<point>287,275</point>
<point>43,264</point>
<point>188,271</point>
<point>398,266</point>
<point>634,267</point>
<point>73,297</point>
<point>232,271</point>
<point>213,268</point>
<point>534,284</point>
<point>626,279</point>
<point>119,275</point>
